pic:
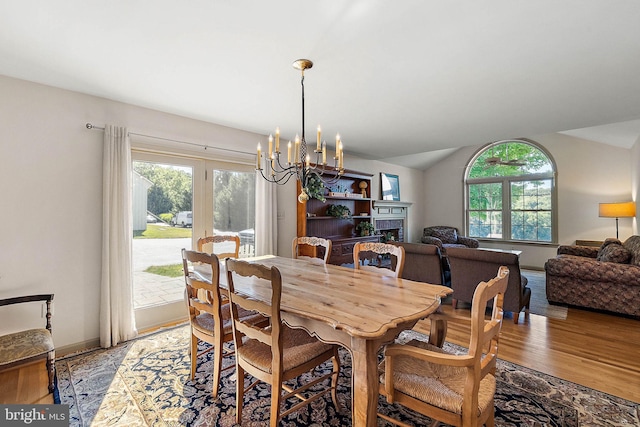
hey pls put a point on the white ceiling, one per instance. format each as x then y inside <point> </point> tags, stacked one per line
<point>403,81</point>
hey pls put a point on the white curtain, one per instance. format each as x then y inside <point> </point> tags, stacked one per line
<point>117,321</point>
<point>266,232</point>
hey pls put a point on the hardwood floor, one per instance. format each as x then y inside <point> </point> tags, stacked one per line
<point>597,350</point>
<point>26,384</point>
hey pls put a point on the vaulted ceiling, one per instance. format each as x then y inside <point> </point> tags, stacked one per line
<point>402,81</point>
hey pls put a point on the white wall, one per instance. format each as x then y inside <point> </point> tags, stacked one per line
<point>635,181</point>
<point>588,173</point>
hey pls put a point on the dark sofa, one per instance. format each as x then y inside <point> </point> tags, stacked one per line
<point>422,263</point>
<point>472,266</point>
<point>605,278</point>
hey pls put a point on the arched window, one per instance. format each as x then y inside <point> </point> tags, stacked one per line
<point>511,193</point>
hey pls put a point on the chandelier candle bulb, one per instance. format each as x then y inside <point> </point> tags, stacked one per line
<point>297,152</point>
<point>270,145</point>
<point>318,143</point>
<point>278,140</point>
<point>258,157</point>
<point>324,153</point>
<point>289,152</point>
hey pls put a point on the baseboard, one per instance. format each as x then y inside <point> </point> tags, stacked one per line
<point>77,347</point>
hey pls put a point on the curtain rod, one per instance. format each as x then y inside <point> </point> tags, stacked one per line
<point>205,146</point>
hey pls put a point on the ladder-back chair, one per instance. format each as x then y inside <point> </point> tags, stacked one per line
<point>275,353</point>
<point>454,389</point>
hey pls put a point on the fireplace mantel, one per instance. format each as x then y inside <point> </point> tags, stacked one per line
<point>390,215</point>
<point>390,204</point>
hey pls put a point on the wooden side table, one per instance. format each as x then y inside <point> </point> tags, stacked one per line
<point>595,243</point>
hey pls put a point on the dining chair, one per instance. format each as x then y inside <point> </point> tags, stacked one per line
<point>28,344</point>
<point>362,251</point>
<point>275,353</point>
<point>220,238</point>
<point>209,318</point>
<point>457,389</point>
<point>307,247</point>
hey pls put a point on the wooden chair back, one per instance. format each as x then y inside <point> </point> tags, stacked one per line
<point>269,335</point>
<point>483,343</point>
<point>378,249</point>
<point>479,362</point>
<point>203,295</point>
<point>221,238</point>
<point>305,352</point>
<point>307,247</point>
<point>206,315</point>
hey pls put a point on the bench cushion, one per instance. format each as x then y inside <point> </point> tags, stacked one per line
<point>24,345</point>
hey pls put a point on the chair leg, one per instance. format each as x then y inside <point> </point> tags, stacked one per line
<point>454,303</point>
<point>239,392</point>
<point>217,368</point>
<point>51,370</point>
<point>490,421</point>
<point>276,395</point>
<point>516,316</point>
<point>194,355</point>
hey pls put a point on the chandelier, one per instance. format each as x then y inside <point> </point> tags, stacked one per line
<point>298,163</point>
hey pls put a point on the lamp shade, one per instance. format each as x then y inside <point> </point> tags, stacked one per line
<point>617,210</point>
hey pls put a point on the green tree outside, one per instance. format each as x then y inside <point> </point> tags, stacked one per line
<point>171,191</point>
<point>530,202</point>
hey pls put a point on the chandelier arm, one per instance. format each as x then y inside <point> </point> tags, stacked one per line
<point>283,168</point>
<point>283,179</point>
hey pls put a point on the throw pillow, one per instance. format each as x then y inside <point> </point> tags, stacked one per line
<point>610,240</point>
<point>632,244</point>
<point>613,252</point>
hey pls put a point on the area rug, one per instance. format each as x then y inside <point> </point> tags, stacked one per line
<point>145,382</point>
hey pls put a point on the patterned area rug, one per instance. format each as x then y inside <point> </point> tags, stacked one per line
<point>145,382</point>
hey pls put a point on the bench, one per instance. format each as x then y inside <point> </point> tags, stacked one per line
<point>19,348</point>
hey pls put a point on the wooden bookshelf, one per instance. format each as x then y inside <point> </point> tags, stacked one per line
<point>313,219</point>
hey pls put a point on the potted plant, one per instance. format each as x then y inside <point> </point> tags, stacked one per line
<point>365,228</point>
<point>339,211</point>
<point>315,187</point>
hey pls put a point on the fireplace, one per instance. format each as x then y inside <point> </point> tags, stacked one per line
<point>390,219</point>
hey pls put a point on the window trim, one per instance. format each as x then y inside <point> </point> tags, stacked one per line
<point>506,198</point>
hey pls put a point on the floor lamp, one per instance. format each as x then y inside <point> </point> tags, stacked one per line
<point>617,210</point>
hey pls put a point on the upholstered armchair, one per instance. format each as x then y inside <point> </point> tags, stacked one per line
<point>444,237</point>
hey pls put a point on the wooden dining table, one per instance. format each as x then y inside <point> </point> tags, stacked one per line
<point>360,310</point>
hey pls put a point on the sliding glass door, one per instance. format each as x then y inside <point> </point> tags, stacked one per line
<point>234,195</point>
<point>177,200</point>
